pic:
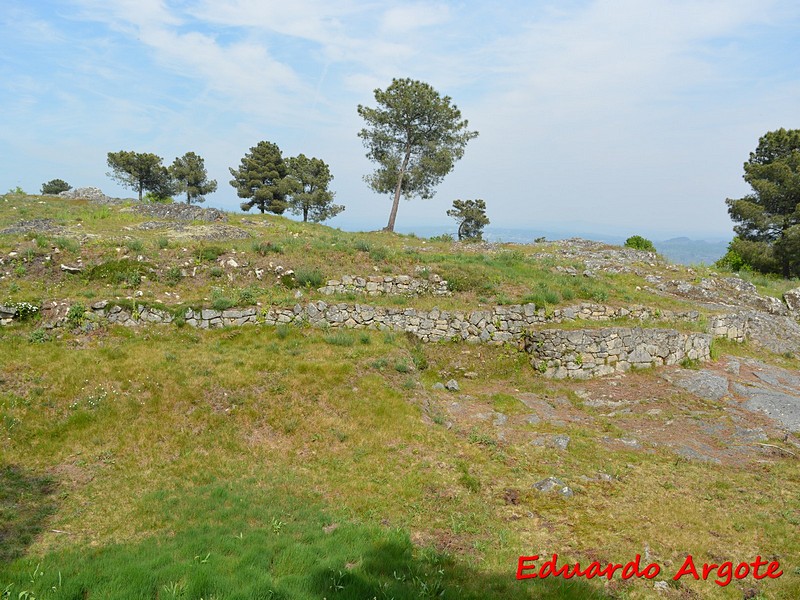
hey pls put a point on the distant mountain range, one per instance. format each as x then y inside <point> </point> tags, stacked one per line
<point>682,250</point>
<point>691,252</point>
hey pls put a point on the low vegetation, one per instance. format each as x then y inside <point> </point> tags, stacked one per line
<point>295,462</point>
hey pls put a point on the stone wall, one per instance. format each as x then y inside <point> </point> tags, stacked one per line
<point>581,354</point>
<point>498,325</point>
<point>779,334</point>
<point>376,285</point>
<point>732,326</point>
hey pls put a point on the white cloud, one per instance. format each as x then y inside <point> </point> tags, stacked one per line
<point>409,17</point>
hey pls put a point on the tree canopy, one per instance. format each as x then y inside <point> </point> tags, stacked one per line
<point>261,179</point>
<point>140,171</point>
<point>190,176</point>
<point>471,217</point>
<point>308,181</point>
<point>768,219</point>
<point>416,136</point>
<point>637,242</point>
<point>55,186</point>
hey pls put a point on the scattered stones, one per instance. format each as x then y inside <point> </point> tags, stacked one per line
<point>94,194</point>
<point>723,291</point>
<point>452,386</point>
<point>179,211</point>
<point>70,269</point>
<point>692,454</point>
<point>438,386</point>
<point>553,484</point>
<point>557,441</point>
<point>792,299</point>
<point>35,226</point>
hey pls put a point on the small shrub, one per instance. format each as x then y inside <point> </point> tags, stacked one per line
<point>401,367</point>
<point>282,330</point>
<point>38,336</point>
<point>365,338</point>
<point>216,272</point>
<point>67,244</point>
<point>133,279</point>
<point>309,278</point>
<point>379,364</point>
<point>208,253</point>
<point>378,254</point>
<point>732,261</point>
<point>173,276</point>
<point>25,310</point>
<point>409,383</point>
<point>118,271</point>
<point>75,315</point>
<point>154,198</point>
<point>162,243</point>
<point>638,242</point>
<point>362,245</point>
<point>264,248</point>
<point>460,278</point>
<point>690,363</point>
<point>445,237</point>
<point>289,280</point>
<point>246,296</point>
<point>340,338</point>
<point>42,242</point>
<point>219,301</point>
<point>418,358</point>
<point>134,245</point>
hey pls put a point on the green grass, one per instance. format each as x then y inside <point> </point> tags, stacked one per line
<point>170,462</point>
<point>235,540</point>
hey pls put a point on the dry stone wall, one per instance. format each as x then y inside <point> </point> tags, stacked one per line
<point>376,285</point>
<point>501,324</point>
<point>585,353</point>
<point>557,353</point>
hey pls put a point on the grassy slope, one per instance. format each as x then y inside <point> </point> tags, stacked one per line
<point>289,462</point>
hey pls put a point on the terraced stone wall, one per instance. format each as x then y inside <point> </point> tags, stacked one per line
<point>586,353</point>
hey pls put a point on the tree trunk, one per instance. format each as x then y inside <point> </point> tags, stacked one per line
<point>140,192</point>
<point>188,197</point>
<point>397,190</point>
<point>305,214</point>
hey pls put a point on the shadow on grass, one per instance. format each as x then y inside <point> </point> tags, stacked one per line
<point>233,542</point>
<point>26,500</point>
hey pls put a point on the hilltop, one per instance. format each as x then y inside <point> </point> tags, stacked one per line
<point>201,404</point>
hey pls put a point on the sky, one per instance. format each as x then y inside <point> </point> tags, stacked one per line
<point>608,116</point>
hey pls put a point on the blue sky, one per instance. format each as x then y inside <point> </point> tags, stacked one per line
<point>611,116</point>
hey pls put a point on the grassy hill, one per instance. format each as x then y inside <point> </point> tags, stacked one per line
<point>299,462</point>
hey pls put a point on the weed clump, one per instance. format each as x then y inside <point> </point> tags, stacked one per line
<point>208,253</point>
<point>123,270</point>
